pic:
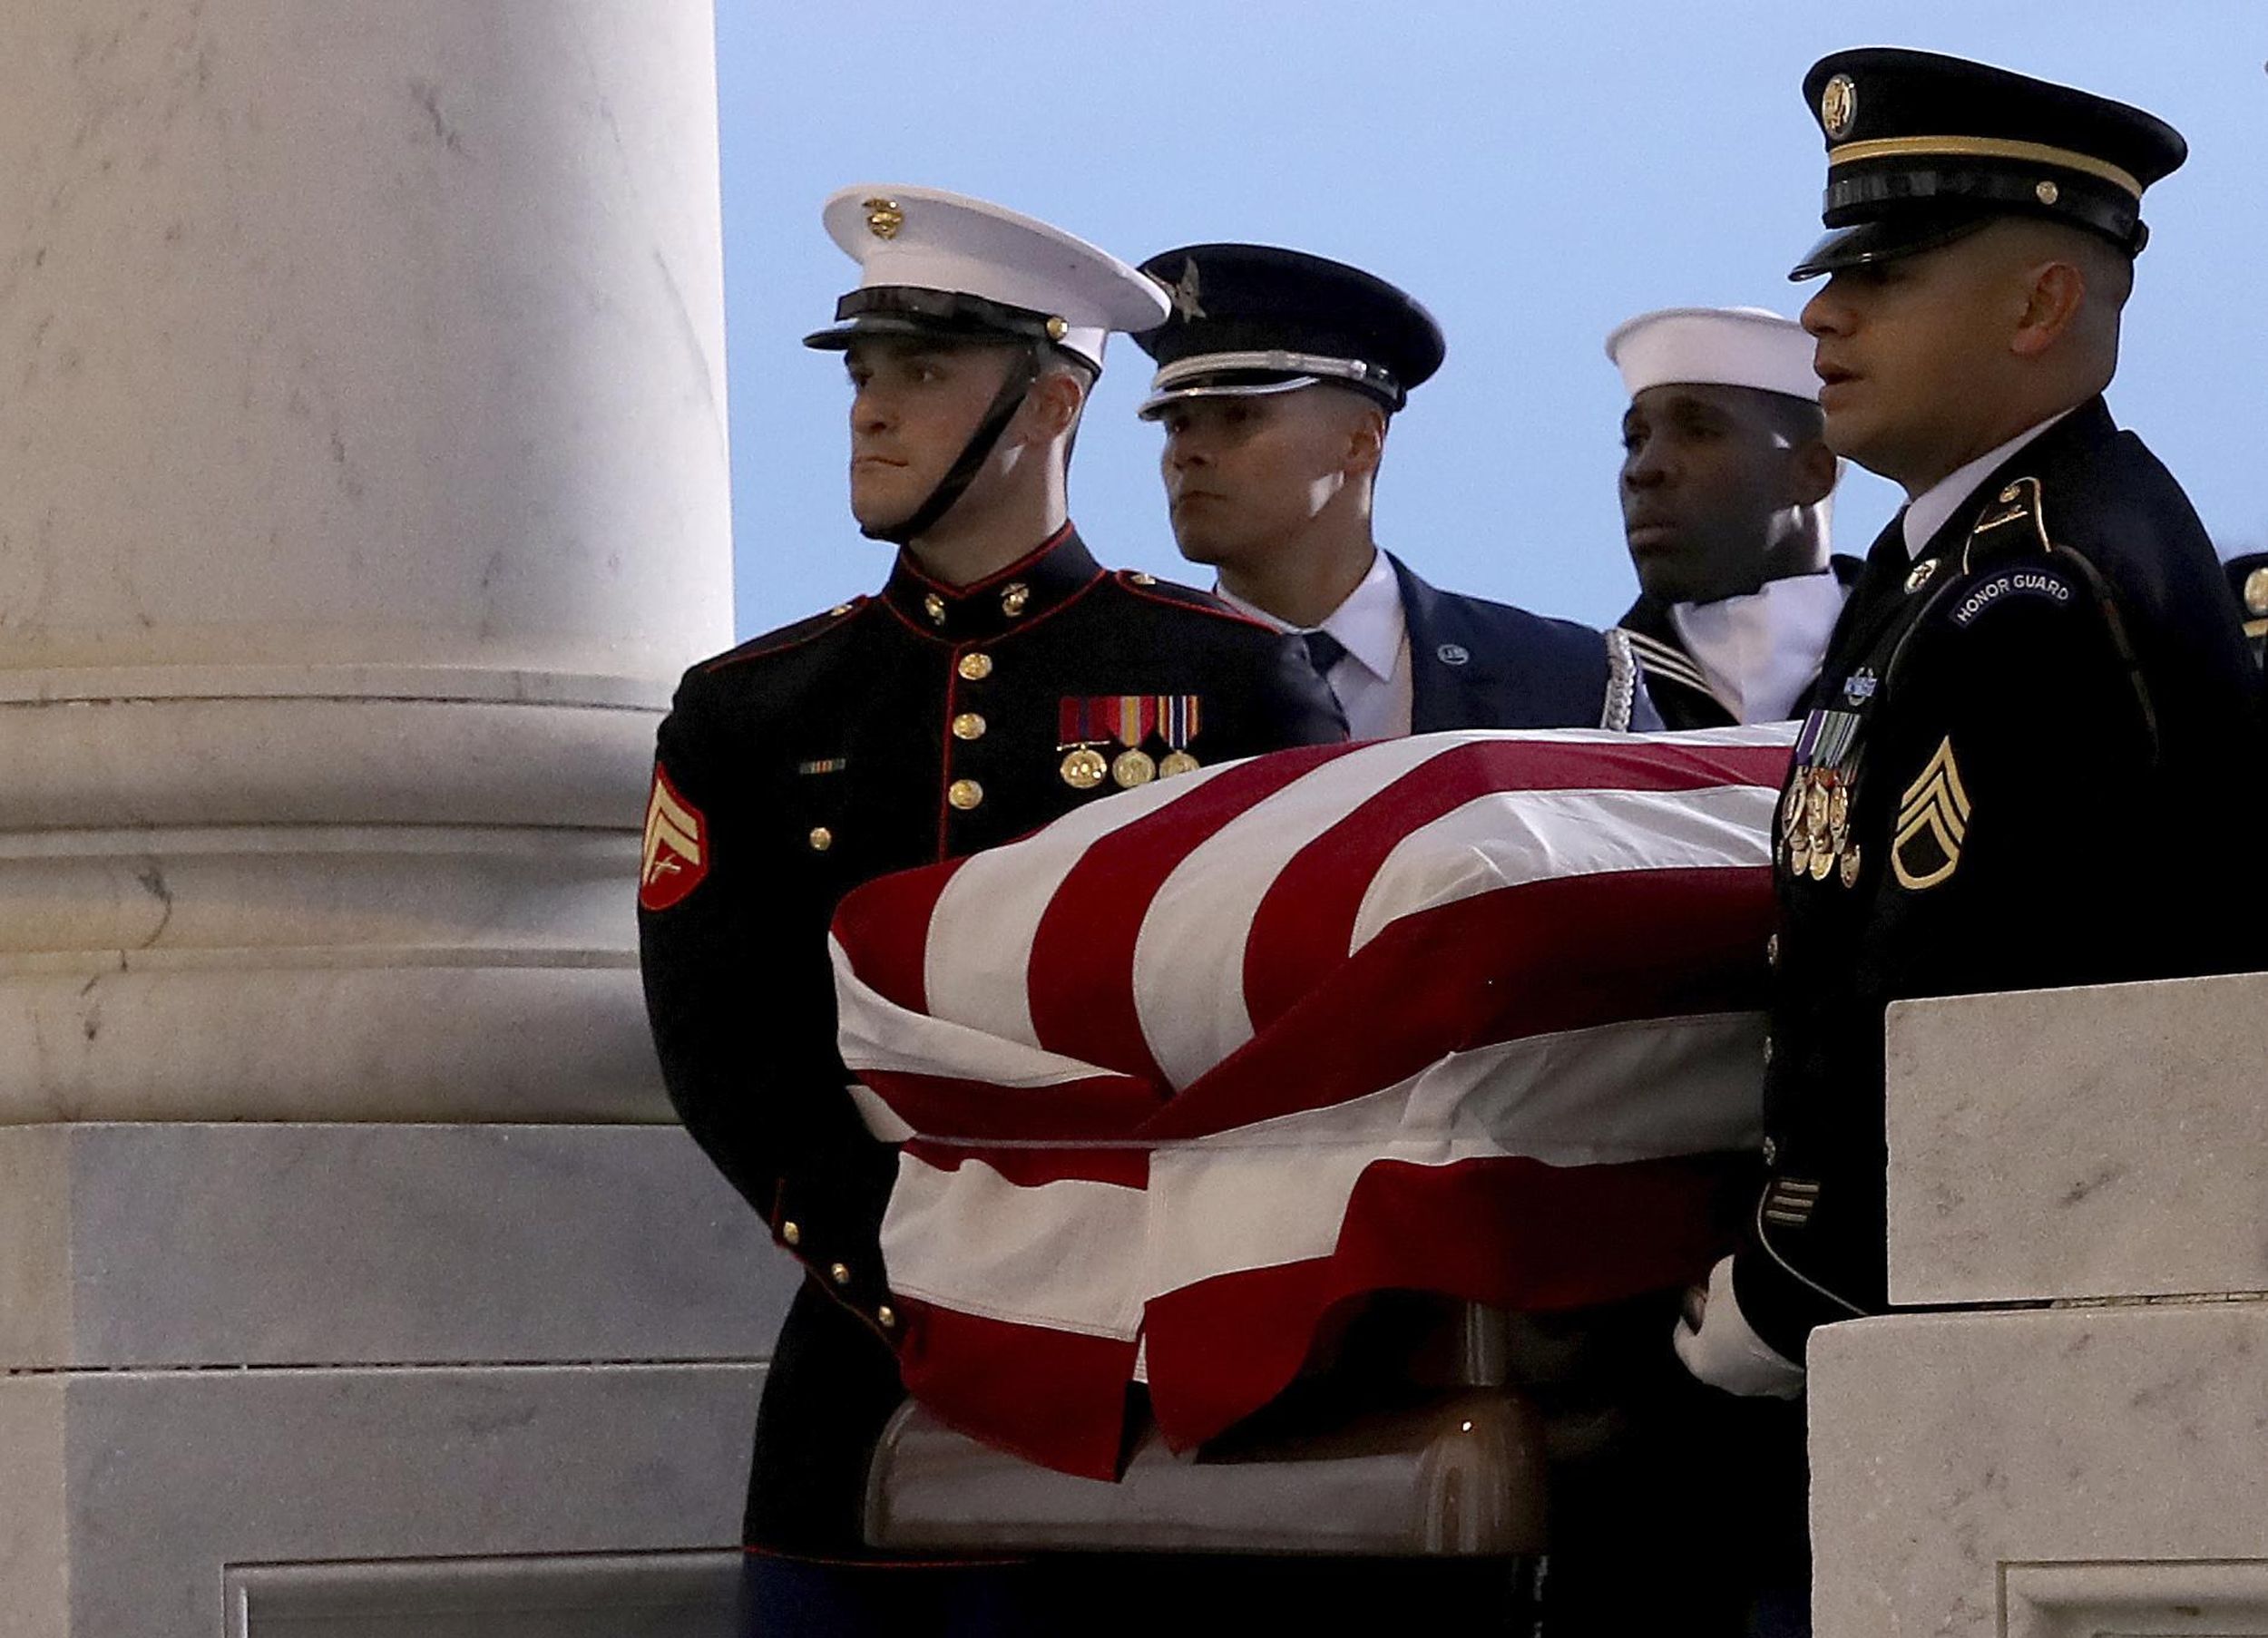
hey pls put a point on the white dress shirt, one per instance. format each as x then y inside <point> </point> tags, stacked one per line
<point>1759,652</point>
<point>1926,514</point>
<point>1372,682</point>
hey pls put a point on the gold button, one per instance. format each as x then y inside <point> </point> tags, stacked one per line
<point>885,1316</point>
<point>935,607</point>
<point>2257,592</point>
<point>974,668</point>
<point>840,609</point>
<point>1013,597</point>
<point>1139,579</point>
<point>968,725</point>
<point>2014,491</point>
<point>2047,193</point>
<point>822,838</point>
<point>792,1233</point>
<point>965,793</point>
<point>1058,328</point>
<point>839,1274</point>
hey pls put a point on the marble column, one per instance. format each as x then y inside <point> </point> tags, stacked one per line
<point>363,489</point>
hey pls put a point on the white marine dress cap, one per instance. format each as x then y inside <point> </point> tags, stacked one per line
<point>930,261</point>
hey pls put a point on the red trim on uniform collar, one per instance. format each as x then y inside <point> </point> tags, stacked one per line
<point>913,570</point>
<point>1060,567</point>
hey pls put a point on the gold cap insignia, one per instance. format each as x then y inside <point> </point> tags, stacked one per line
<point>1932,824</point>
<point>883,218</point>
<point>2257,592</point>
<point>1838,106</point>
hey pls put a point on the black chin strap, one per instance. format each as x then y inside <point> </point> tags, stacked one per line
<point>973,455</point>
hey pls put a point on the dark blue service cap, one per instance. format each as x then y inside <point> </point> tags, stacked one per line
<point>1922,149</point>
<point>1252,319</point>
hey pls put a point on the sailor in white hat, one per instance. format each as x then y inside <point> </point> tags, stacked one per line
<point>999,679</point>
<point>1727,485</point>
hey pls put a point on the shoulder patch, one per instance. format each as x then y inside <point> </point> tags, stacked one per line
<point>676,856</point>
<point>1149,588</point>
<point>2001,587</point>
<point>790,636</point>
<point>2015,524</point>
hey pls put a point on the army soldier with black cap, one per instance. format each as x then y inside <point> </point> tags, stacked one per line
<point>1727,485</point>
<point>2039,676</point>
<point>1277,375</point>
<point>999,679</point>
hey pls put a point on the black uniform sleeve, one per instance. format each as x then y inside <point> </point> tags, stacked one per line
<point>1277,702</point>
<point>741,1000</point>
<point>2026,845</point>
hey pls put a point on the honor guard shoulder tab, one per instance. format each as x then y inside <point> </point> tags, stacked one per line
<point>789,637</point>
<point>1177,596</point>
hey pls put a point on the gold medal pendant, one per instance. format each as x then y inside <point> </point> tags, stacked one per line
<point>1851,868</point>
<point>1799,856</point>
<point>1084,768</point>
<point>1132,768</point>
<point>1792,810</point>
<point>1176,763</point>
<point>1823,864</point>
<point>1815,812</point>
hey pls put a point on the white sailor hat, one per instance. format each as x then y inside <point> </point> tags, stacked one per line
<point>1715,346</point>
<point>937,263</point>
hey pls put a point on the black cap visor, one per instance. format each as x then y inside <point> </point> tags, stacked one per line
<point>1863,244</point>
<point>943,314</point>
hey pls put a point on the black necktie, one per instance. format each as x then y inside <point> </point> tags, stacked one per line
<point>1324,651</point>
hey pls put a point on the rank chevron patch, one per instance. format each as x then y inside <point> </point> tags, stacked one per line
<point>676,854</point>
<point>1932,824</point>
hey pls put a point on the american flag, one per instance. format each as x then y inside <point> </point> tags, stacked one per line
<point>1472,1013</point>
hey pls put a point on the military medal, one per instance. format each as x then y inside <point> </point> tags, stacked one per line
<point>1799,857</point>
<point>1823,864</point>
<point>1084,768</point>
<point>1177,721</point>
<point>1850,867</point>
<point>1133,768</point>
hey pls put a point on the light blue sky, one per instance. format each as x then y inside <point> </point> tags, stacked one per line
<point>1534,172</point>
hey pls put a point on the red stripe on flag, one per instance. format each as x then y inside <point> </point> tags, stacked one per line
<point>1529,1236</point>
<point>1082,971</point>
<point>1566,953</point>
<point>1302,927</point>
<point>884,926</point>
<point>1053,1397</point>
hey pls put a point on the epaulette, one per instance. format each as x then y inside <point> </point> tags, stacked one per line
<point>789,637</point>
<point>2014,525</point>
<point>1176,595</point>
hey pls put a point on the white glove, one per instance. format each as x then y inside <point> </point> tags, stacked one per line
<point>1724,1353</point>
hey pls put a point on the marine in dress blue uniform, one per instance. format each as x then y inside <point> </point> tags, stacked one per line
<point>1727,493</point>
<point>925,722</point>
<point>2038,678</point>
<point>1255,334</point>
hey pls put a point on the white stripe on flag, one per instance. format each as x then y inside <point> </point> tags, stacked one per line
<point>1277,1192</point>
<point>975,966</point>
<point>874,1032</point>
<point>1189,958</point>
<point>1513,838</point>
<point>1067,1255</point>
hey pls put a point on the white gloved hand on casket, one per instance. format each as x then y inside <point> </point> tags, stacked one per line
<point>1725,1352</point>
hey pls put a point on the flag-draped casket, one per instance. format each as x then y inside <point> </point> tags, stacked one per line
<point>1472,1013</point>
